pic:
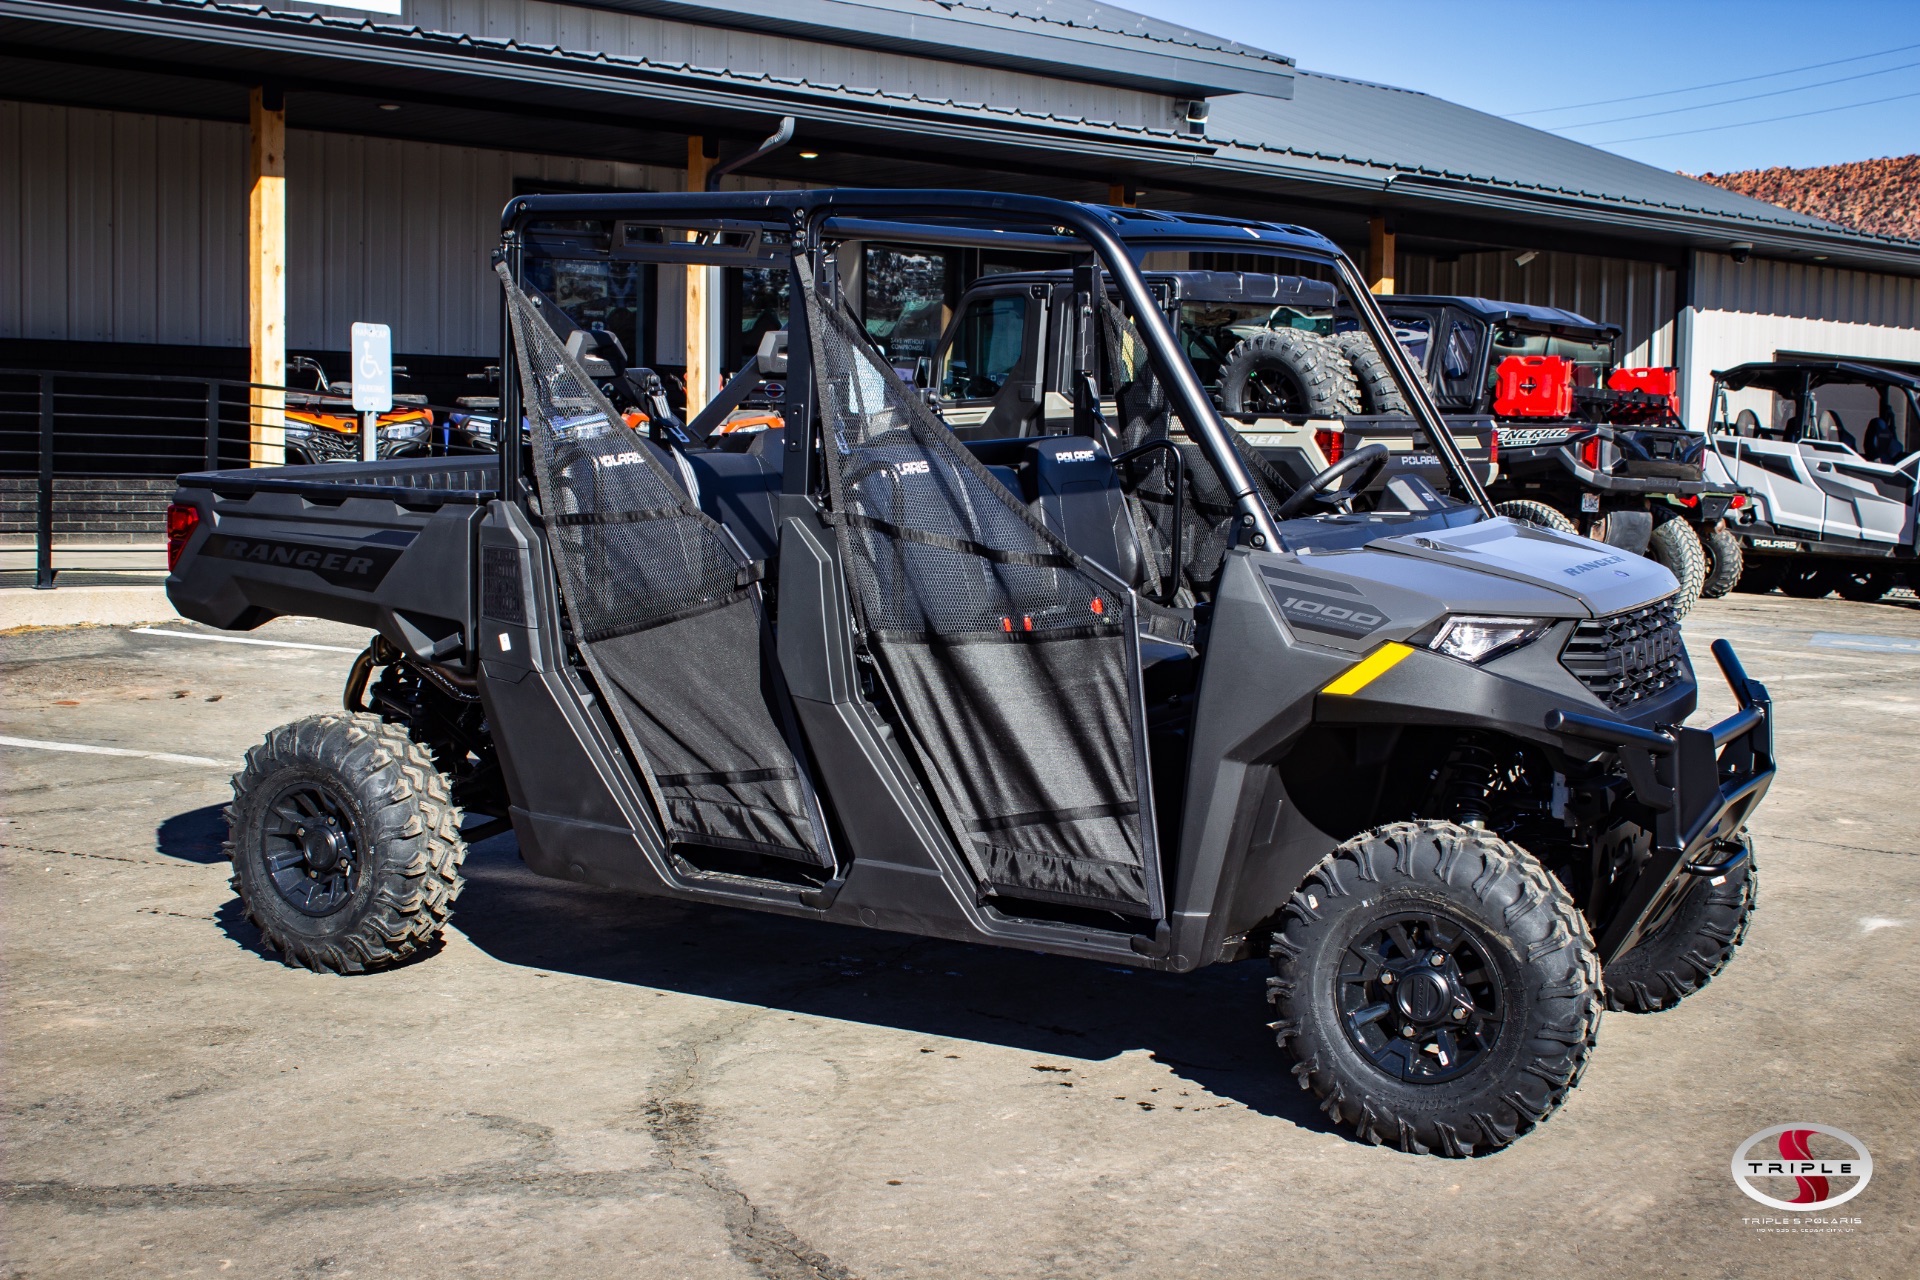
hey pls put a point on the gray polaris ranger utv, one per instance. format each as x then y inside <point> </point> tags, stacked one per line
<point>1115,693</point>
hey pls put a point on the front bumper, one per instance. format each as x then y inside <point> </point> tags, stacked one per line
<point>1700,785</point>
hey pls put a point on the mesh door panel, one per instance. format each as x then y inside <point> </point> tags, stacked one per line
<point>665,616</point>
<point>1014,668</point>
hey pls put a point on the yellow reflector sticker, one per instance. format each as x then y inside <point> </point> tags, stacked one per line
<point>1368,669</point>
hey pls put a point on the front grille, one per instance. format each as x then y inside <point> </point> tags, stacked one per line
<point>1628,657</point>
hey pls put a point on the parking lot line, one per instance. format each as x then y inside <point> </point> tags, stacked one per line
<point>35,744</point>
<point>272,644</point>
<point>1879,644</point>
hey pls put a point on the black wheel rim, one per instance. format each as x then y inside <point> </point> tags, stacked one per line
<point>312,848</point>
<point>1274,391</point>
<point>1420,997</point>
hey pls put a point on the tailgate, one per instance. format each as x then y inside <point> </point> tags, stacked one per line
<point>389,546</point>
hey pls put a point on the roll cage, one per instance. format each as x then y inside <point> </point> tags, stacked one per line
<point>798,228</point>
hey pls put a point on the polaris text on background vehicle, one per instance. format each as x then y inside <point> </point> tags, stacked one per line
<point>1120,691</point>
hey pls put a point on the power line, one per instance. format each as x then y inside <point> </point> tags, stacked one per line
<point>1751,97</point>
<point>1797,115</point>
<point>1717,84</point>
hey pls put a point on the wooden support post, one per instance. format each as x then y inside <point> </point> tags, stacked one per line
<point>700,356</point>
<point>267,273</point>
<point>1119,193</point>
<point>1380,256</point>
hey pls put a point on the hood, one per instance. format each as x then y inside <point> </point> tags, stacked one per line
<point>1601,579</point>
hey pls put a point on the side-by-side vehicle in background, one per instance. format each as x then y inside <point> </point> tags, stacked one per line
<point>1109,689</point>
<point>1586,444</point>
<point>1830,450</point>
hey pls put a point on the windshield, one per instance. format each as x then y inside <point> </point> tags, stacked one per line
<point>1592,359</point>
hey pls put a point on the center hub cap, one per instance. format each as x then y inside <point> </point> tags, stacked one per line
<point>1423,995</point>
<point>324,848</point>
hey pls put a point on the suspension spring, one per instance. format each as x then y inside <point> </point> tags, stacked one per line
<point>1470,773</point>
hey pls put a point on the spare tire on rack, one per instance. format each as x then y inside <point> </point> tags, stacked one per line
<point>1288,372</point>
<point>1378,393</point>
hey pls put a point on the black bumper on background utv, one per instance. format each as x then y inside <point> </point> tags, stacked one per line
<point>1700,784</point>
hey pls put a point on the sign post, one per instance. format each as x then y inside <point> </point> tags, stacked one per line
<point>372,382</point>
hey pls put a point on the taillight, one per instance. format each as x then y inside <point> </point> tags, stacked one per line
<point>1590,454</point>
<point>1333,444</point>
<point>182,520</point>
<point>1493,445</point>
<point>1738,501</point>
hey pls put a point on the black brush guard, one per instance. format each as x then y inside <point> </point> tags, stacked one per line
<point>1701,786</point>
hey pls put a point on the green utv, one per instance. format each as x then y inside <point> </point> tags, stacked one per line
<point>1120,691</point>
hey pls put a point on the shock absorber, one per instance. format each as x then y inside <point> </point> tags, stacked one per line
<point>1470,771</point>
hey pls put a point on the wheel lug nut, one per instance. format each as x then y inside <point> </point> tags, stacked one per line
<point>1407,1031</point>
<point>1459,1015</point>
<point>1386,979</point>
<point>1436,959</point>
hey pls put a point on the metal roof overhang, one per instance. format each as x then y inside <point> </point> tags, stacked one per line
<point>979,35</point>
<point>492,78</point>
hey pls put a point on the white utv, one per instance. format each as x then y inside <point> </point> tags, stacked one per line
<point>1827,449</point>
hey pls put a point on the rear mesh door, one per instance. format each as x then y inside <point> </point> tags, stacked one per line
<point>666,616</point>
<point>1014,668</point>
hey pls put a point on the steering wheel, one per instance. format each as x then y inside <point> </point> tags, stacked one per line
<point>1368,460</point>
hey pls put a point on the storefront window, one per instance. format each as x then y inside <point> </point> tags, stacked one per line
<point>761,303</point>
<point>597,295</point>
<point>906,302</point>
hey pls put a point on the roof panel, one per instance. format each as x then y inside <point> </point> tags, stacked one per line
<point>1342,124</point>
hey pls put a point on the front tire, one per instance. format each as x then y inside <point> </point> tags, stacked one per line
<point>345,843</point>
<point>1863,586</point>
<point>1435,988</point>
<point>1724,561</point>
<point>1685,953</point>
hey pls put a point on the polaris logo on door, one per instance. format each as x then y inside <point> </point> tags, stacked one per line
<point>913,469</point>
<point>630,458</point>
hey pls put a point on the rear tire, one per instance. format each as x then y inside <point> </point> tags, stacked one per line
<point>1378,394</point>
<point>1808,581</point>
<point>1674,545</point>
<point>345,844</point>
<point>1536,513</point>
<point>1724,561</point>
<point>1695,944</point>
<point>1291,372</point>
<point>1519,948</point>
<point>1863,585</point>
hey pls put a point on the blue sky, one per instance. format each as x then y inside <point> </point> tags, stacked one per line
<point>1509,58</point>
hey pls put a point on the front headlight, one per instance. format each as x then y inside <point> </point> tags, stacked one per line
<point>404,430</point>
<point>1479,639</point>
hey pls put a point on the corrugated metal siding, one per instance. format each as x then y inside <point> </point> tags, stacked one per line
<point>400,232</point>
<point>1637,296</point>
<point>1764,286</point>
<point>117,227</point>
<point>1763,308</point>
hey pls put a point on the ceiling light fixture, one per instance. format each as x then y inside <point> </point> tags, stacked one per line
<point>809,155</point>
<point>389,106</point>
<point>1526,257</point>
